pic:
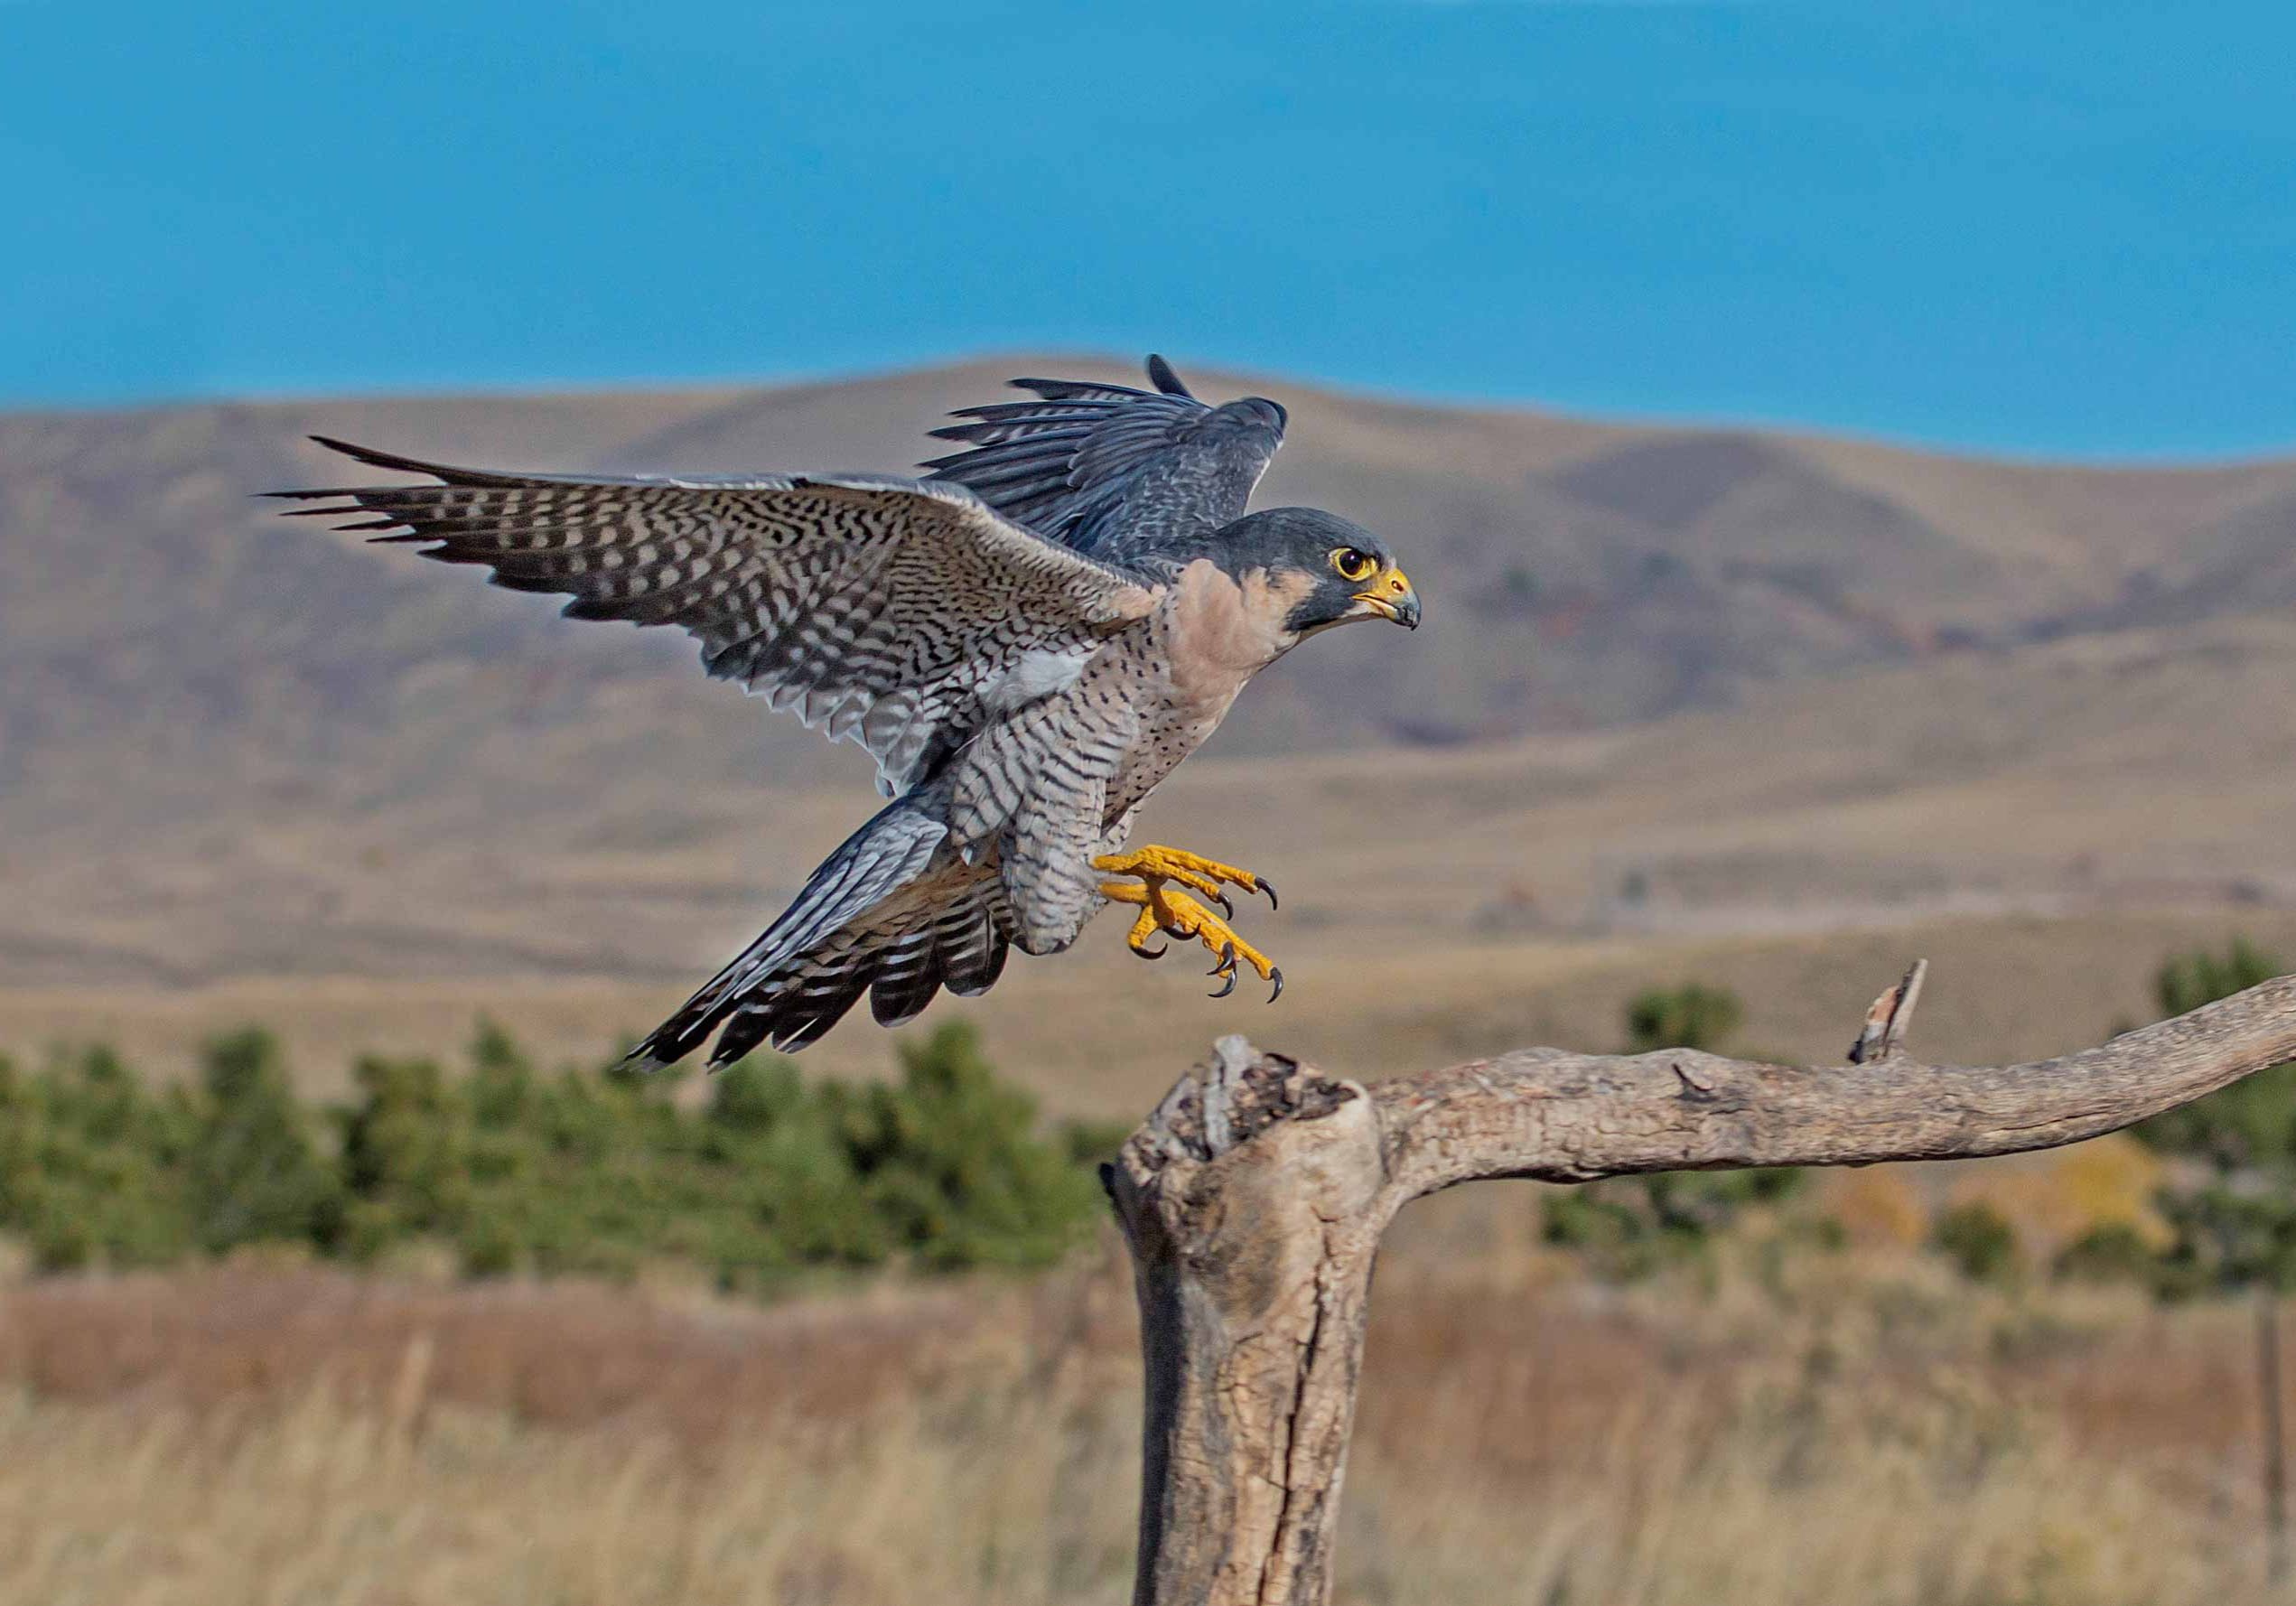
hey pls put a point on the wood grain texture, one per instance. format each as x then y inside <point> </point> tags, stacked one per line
<point>1253,1198</point>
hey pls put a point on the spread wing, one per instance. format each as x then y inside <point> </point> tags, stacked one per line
<point>895,613</point>
<point>1111,470</point>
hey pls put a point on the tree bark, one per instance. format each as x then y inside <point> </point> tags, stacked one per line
<point>1255,1197</point>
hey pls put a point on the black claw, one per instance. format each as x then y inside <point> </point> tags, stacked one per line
<point>1226,987</point>
<point>1227,961</point>
<point>1268,887</point>
<point>1155,954</point>
<point>1275,974</point>
<point>1225,908</point>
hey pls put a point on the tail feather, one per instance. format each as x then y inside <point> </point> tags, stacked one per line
<point>796,1014</point>
<point>907,977</point>
<point>900,952</point>
<point>879,917</point>
<point>873,865</point>
<point>961,944</point>
<point>975,956</point>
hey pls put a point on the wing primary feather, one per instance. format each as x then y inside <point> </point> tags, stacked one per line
<point>1036,412</point>
<point>376,458</point>
<point>1160,375</point>
<point>1109,470</point>
<point>779,576</point>
<point>1060,390</point>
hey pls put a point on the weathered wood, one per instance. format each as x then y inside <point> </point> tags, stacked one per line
<point>1255,1197</point>
<point>1252,1226</point>
<point>1889,1018</point>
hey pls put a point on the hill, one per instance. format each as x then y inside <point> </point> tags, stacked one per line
<point>1675,684</point>
<point>165,646</point>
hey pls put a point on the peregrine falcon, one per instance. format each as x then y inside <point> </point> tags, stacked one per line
<point>1027,641</point>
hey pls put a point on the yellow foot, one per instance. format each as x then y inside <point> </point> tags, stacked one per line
<point>1155,864</point>
<point>1179,915</point>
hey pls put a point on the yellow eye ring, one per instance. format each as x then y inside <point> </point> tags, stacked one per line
<point>1354,566</point>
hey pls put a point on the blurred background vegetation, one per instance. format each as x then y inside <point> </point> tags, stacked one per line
<point>755,1177</point>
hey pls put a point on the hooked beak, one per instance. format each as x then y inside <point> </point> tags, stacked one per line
<point>1391,597</point>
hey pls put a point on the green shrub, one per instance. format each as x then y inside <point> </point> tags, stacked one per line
<point>89,1165</point>
<point>406,1162</point>
<point>2187,981</point>
<point>1980,1242</point>
<point>799,1199</point>
<point>251,1173</point>
<point>2236,1234</point>
<point>1630,1227</point>
<point>2253,1122</point>
<point>1690,1016</point>
<point>763,1178</point>
<point>1606,1226</point>
<point>2110,1252</point>
<point>2232,1196</point>
<point>948,1161</point>
<point>1089,1143</point>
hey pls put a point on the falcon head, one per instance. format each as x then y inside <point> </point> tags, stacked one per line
<point>1332,571</point>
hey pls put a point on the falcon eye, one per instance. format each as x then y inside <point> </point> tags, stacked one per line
<point>1353,565</point>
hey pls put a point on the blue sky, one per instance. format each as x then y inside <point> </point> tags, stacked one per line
<point>2057,228</point>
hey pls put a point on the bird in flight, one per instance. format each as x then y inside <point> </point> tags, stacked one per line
<point>1027,641</point>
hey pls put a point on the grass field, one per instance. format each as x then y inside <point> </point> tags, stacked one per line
<point>1859,1427</point>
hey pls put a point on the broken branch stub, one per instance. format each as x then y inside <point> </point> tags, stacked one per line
<point>1253,1198</point>
<point>1247,1201</point>
<point>1888,1019</point>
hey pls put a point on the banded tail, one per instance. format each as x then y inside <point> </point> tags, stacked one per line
<point>879,916</point>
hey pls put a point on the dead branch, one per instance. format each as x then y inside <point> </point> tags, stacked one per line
<point>1889,1018</point>
<point>1255,1197</point>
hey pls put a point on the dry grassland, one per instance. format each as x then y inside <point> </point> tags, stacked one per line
<point>1863,1430</point>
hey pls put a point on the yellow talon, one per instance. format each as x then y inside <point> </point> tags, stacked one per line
<point>1179,915</point>
<point>1193,871</point>
<point>1149,923</point>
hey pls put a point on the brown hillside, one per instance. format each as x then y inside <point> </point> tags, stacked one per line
<point>1756,681</point>
<point>152,621</point>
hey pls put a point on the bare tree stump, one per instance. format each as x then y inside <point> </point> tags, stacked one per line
<point>1253,1199</point>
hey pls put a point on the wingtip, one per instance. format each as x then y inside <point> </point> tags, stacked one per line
<point>646,1055</point>
<point>1160,375</point>
<point>375,457</point>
